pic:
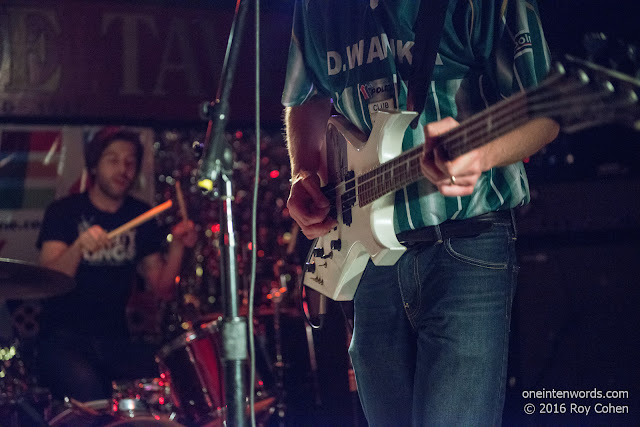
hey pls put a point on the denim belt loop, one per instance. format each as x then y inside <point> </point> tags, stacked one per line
<point>438,234</point>
<point>513,224</point>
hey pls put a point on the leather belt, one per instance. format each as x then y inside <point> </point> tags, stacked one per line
<point>469,227</point>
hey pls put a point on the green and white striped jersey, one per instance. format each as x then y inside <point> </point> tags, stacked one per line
<point>359,53</point>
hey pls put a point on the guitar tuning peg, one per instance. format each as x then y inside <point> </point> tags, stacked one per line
<point>611,53</point>
<point>596,46</point>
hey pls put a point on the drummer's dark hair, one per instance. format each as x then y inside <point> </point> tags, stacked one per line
<point>101,140</point>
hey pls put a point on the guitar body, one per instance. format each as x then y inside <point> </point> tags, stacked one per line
<point>337,260</point>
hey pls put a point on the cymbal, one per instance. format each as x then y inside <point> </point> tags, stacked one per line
<point>24,280</point>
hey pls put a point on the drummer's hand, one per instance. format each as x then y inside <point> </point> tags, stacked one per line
<point>93,239</point>
<point>185,234</point>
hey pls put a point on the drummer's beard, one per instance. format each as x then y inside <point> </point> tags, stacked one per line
<point>110,188</point>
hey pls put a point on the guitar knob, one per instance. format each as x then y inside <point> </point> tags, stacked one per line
<point>336,244</point>
<point>311,267</point>
<point>318,252</point>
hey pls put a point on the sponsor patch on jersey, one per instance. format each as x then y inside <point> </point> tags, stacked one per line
<point>379,95</point>
<point>522,43</point>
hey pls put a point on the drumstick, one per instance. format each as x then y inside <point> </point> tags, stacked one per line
<point>180,197</point>
<point>141,219</point>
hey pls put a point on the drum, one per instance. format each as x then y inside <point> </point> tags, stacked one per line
<point>98,413</point>
<point>192,363</point>
<point>150,396</point>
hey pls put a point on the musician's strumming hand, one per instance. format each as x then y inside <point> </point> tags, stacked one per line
<point>184,233</point>
<point>456,177</point>
<point>93,239</point>
<point>308,206</point>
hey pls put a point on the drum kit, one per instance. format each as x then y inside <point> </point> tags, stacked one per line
<point>189,390</point>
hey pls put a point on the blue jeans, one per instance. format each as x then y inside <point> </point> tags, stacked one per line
<point>431,333</point>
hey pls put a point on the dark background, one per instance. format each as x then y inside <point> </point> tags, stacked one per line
<point>575,316</point>
<point>575,324</point>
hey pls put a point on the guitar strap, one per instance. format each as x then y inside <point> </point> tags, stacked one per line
<point>428,31</point>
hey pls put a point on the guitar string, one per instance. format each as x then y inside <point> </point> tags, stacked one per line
<point>455,141</point>
<point>470,132</point>
<point>412,154</point>
<point>532,98</point>
<point>477,120</point>
<point>409,173</point>
<point>471,127</point>
<point>472,137</point>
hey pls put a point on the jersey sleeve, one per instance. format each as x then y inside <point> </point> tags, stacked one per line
<point>522,58</point>
<point>57,226</point>
<point>300,81</point>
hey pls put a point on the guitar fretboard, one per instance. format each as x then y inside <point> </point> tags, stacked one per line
<point>479,130</point>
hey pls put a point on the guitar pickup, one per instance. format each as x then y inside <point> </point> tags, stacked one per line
<point>348,198</point>
<point>330,193</point>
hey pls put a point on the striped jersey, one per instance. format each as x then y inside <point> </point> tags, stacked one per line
<point>359,53</point>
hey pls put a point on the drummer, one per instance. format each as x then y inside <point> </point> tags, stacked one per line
<point>84,342</point>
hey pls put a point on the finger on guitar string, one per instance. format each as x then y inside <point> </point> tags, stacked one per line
<point>309,207</point>
<point>320,229</point>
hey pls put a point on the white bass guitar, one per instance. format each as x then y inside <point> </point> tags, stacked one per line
<point>365,172</point>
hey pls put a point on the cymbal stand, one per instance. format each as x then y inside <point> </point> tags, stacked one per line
<point>276,298</point>
<point>313,363</point>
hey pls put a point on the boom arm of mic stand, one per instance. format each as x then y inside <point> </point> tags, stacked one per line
<point>217,156</point>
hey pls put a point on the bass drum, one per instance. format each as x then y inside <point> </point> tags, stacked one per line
<point>102,416</point>
<point>193,364</point>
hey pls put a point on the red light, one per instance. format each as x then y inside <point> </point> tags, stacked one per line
<point>525,160</point>
<point>274,173</point>
<point>260,253</point>
<point>238,134</point>
<point>250,246</point>
<point>215,228</point>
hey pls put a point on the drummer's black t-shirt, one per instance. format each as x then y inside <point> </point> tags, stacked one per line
<point>96,306</point>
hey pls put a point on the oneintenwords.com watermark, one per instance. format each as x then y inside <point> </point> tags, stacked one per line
<point>608,402</point>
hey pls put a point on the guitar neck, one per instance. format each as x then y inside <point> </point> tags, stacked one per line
<point>589,96</point>
<point>472,133</point>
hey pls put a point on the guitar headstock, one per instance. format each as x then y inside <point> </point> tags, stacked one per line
<point>580,94</point>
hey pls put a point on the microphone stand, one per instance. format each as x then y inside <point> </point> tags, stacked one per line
<point>216,170</point>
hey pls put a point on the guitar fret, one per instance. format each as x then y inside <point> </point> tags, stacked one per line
<point>481,129</point>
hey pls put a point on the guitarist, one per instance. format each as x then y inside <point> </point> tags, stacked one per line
<point>431,332</point>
